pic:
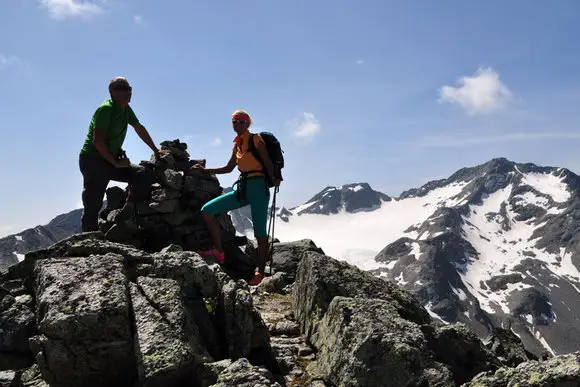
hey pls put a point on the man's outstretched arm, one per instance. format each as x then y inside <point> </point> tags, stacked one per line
<point>144,135</point>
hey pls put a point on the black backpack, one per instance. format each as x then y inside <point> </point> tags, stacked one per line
<point>275,153</point>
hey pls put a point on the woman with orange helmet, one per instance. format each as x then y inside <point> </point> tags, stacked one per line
<point>251,189</point>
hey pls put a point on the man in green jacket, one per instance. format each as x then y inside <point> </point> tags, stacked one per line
<point>102,158</point>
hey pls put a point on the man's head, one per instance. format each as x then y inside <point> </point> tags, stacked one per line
<point>120,91</point>
<point>241,121</point>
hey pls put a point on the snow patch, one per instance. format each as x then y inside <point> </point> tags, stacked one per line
<point>302,207</point>
<point>538,201</point>
<point>566,269</point>
<point>459,292</point>
<point>548,184</point>
<point>373,230</point>
<point>391,265</point>
<point>357,257</point>
<point>538,335</point>
<point>416,250</point>
<point>500,240</point>
<point>433,314</point>
<point>400,280</point>
<point>18,237</point>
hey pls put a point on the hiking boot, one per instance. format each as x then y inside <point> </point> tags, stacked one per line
<point>218,255</point>
<point>256,280</point>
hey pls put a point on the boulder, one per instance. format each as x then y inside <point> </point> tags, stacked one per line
<point>242,374</point>
<point>356,336</point>
<point>83,314</point>
<point>321,278</point>
<point>507,347</point>
<point>167,344</point>
<point>8,379</point>
<point>359,322</point>
<point>210,372</point>
<point>286,256</point>
<point>116,197</point>
<point>234,317</point>
<point>558,371</point>
<point>32,377</point>
<point>461,350</point>
<point>17,324</point>
<point>274,284</point>
<point>162,194</point>
<point>188,268</point>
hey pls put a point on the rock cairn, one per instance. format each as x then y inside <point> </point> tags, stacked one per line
<point>168,210</point>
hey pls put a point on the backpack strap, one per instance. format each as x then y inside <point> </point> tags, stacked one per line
<point>254,151</point>
<point>256,154</point>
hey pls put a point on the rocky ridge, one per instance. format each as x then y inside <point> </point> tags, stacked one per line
<point>87,311</point>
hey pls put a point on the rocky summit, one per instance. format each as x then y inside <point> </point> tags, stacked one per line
<point>92,312</point>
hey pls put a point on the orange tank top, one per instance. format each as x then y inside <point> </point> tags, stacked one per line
<point>244,158</point>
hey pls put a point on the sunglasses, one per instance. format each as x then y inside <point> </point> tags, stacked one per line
<point>123,88</point>
<point>239,122</point>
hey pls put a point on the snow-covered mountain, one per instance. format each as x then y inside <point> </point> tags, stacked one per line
<point>496,244</point>
<point>13,247</point>
<point>349,198</point>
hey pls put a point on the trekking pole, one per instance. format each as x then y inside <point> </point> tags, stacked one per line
<point>270,236</point>
<point>271,225</point>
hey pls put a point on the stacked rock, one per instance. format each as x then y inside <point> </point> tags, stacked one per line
<point>168,211</point>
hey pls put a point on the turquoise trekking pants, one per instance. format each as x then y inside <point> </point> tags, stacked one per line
<point>255,193</point>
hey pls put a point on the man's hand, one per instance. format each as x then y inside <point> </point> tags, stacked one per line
<point>276,182</point>
<point>124,163</point>
<point>161,152</point>
<point>198,167</point>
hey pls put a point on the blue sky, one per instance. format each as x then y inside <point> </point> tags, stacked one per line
<point>391,93</point>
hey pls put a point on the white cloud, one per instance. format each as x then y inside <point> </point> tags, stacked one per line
<point>62,9</point>
<point>449,142</point>
<point>8,60</point>
<point>216,141</point>
<point>481,93</point>
<point>138,19</point>
<point>307,127</point>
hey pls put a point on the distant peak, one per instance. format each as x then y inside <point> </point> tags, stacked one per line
<point>351,197</point>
